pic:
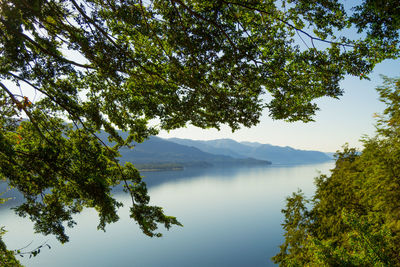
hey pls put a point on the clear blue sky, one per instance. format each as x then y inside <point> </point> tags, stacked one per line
<point>338,121</point>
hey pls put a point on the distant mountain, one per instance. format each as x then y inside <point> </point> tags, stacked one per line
<point>275,154</point>
<point>175,153</point>
<point>156,153</point>
<point>330,154</point>
<point>219,147</point>
<point>288,155</point>
<point>252,144</point>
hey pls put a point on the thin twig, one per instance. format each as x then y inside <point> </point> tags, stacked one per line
<point>288,24</point>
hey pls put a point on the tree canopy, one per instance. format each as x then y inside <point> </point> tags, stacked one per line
<point>71,68</point>
<point>354,216</point>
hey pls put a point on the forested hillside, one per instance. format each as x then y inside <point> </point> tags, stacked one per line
<point>354,219</point>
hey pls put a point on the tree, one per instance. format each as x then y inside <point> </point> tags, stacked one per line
<point>354,219</point>
<point>71,68</point>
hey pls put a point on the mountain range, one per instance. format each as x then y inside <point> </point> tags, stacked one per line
<point>171,154</point>
<point>157,153</point>
<point>161,154</point>
<point>275,154</point>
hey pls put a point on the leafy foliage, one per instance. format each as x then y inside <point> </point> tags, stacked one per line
<point>120,64</point>
<point>354,219</point>
<point>7,257</point>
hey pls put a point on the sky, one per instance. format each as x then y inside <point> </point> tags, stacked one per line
<point>337,122</point>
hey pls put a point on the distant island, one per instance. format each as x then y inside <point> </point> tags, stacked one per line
<point>156,167</point>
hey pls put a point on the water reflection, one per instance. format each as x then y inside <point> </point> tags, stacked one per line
<point>231,217</point>
<point>156,178</point>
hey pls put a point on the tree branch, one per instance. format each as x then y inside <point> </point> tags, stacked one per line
<point>27,112</point>
<point>206,20</point>
<point>106,35</point>
<point>46,51</point>
<point>287,24</point>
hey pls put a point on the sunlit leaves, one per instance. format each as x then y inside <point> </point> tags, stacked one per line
<point>354,219</point>
<point>70,69</point>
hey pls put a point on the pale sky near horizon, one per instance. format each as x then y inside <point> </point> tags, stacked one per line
<point>337,121</point>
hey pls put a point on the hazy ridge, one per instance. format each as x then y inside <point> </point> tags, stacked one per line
<point>275,154</point>
<point>157,153</point>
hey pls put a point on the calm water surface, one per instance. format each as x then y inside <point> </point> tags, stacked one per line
<point>231,217</point>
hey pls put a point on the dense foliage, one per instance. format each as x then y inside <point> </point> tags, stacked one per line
<point>118,64</point>
<point>354,218</point>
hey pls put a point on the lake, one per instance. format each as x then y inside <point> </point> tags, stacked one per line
<point>231,217</point>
